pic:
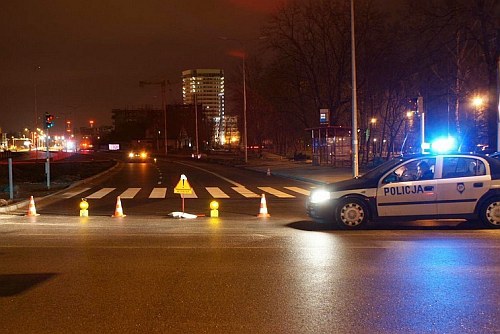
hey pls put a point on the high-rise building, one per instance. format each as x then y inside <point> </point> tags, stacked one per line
<point>205,87</point>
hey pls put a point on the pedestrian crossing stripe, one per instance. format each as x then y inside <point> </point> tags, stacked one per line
<point>73,193</point>
<point>129,193</point>
<point>158,193</point>
<point>100,193</point>
<point>276,192</point>
<point>245,192</point>
<point>214,192</point>
<point>299,190</point>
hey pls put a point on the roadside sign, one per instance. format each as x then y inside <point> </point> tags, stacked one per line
<point>183,186</point>
<point>324,116</point>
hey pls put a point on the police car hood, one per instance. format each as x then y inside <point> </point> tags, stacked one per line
<point>351,184</point>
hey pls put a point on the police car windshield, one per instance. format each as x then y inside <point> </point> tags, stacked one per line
<point>380,170</point>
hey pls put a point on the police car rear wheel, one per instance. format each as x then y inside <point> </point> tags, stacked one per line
<point>351,214</point>
<point>490,213</point>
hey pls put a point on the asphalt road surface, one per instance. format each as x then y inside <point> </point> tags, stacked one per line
<point>66,274</point>
<point>147,189</point>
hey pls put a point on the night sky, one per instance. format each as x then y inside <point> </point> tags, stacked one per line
<point>92,54</point>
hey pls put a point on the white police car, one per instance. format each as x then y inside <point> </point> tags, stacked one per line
<point>410,188</point>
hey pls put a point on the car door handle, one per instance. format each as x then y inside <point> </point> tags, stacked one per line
<point>428,188</point>
<point>478,185</point>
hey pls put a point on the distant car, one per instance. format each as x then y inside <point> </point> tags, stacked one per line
<point>138,155</point>
<point>452,186</point>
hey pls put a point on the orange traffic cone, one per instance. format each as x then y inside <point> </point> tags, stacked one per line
<point>118,209</point>
<point>263,208</point>
<point>32,209</point>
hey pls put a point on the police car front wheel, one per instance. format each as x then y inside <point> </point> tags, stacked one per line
<point>490,213</point>
<point>351,213</point>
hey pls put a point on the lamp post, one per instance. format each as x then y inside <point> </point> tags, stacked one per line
<point>162,84</point>
<point>478,103</point>
<point>36,111</point>
<point>355,166</point>
<point>196,124</point>
<point>242,55</point>
<point>373,122</point>
<point>245,138</point>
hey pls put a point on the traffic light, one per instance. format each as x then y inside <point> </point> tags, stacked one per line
<point>49,121</point>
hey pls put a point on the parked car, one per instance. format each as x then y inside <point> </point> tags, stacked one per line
<point>451,186</point>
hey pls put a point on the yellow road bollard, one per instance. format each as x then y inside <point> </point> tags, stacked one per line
<point>84,205</point>
<point>214,209</point>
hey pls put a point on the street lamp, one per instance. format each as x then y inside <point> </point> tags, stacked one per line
<point>196,123</point>
<point>355,166</point>
<point>478,102</point>
<point>242,55</point>
<point>245,138</point>
<point>162,84</point>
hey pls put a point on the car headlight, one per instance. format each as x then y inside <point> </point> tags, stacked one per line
<point>319,196</point>
<point>131,155</point>
<point>144,155</point>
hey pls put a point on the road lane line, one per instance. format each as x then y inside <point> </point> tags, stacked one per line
<point>100,193</point>
<point>216,192</point>
<point>129,193</point>
<point>245,192</point>
<point>276,192</point>
<point>158,193</point>
<point>207,171</point>
<point>299,190</point>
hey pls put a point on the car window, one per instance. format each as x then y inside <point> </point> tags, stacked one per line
<point>415,170</point>
<point>462,167</point>
<point>380,170</point>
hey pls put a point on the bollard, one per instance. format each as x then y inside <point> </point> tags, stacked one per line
<point>214,209</point>
<point>84,205</point>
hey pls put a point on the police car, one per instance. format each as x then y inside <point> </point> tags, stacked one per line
<point>414,187</point>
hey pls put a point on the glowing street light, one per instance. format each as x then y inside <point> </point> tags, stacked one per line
<point>478,101</point>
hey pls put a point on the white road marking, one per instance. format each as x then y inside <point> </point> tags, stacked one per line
<point>158,193</point>
<point>299,190</point>
<point>216,192</point>
<point>72,193</point>
<point>130,193</point>
<point>245,192</point>
<point>207,171</point>
<point>276,192</point>
<point>100,193</point>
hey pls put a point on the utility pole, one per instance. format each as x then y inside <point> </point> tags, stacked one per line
<point>420,109</point>
<point>243,56</point>
<point>498,91</point>
<point>196,124</point>
<point>162,84</point>
<point>355,162</point>
<point>35,125</point>
<point>245,135</point>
